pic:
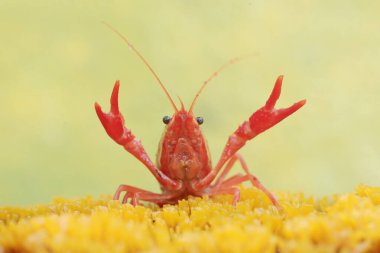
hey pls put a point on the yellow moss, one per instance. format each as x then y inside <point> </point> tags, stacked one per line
<point>342,223</point>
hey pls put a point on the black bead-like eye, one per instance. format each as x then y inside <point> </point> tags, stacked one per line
<point>200,120</point>
<point>166,119</point>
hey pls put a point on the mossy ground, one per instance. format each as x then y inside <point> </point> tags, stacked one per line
<point>340,223</point>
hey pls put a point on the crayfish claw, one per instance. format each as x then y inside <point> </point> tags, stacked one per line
<point>268,116</point>
<point>285,112</point>
<point>275,95</point>
<point>113,122</point>
<point>114,98</point>
<point>100,113</point>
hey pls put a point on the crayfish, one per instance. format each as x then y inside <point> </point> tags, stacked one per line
<point>183,165</point>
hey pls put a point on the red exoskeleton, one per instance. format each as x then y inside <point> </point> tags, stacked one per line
<point>183,165</point>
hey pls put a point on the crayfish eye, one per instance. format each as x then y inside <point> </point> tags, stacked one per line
<point>200,120</point>
<point>166,119</point>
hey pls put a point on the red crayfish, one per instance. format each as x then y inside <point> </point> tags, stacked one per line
<point>183,162</point>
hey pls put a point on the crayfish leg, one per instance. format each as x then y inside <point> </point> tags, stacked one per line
<point>222,185</point>
<point>137,194</point>
<point>231,190</point>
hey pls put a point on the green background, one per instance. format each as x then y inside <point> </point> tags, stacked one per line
<point>56,59</point>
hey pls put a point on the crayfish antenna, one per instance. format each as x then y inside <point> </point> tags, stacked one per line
<point>216,73</point>
<point>181,103</point>
<point>143,60</point>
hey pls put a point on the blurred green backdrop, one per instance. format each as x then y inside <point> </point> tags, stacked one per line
<point>56,59</point>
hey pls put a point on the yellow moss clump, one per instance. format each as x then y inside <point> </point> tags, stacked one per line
<point>342,223</point>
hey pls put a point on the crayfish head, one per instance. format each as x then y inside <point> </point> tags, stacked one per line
<point>183,152</point>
